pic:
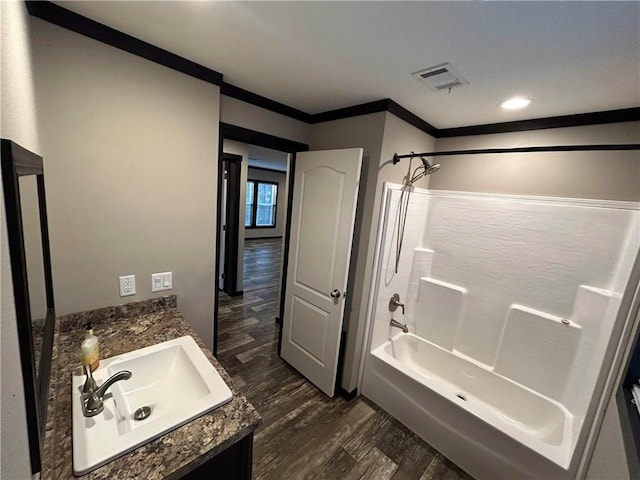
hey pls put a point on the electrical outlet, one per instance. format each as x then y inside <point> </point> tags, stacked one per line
<point>127,285</point>
<point>161,281</point>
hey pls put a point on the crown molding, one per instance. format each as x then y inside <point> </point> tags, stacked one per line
<point>575,120</point>
<point>264,102</point>
<point>353,111</point>
<point>409,117</point>
<point>90,28</point>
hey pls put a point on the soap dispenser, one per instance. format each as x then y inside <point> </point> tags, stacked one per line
<point>90,349</point>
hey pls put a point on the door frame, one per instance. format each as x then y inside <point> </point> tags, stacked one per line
<point>239,134</point>
<point>232,206</point>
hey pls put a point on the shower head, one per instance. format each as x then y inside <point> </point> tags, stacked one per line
<point>429,168</point>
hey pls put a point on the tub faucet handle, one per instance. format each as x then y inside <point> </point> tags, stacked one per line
<point>394,303</point>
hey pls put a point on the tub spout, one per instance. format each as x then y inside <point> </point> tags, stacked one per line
<point>401,326</point>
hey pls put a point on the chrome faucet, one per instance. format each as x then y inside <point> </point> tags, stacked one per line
<point>92,403</point>
<point>401,326</point>
<point>394,303</point>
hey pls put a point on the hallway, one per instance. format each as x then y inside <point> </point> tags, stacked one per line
<point>304,434</point>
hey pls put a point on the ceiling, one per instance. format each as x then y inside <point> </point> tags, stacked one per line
<point>570,57</point>
<point>267,158</point>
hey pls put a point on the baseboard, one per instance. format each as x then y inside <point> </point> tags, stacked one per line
<point>348,396</point>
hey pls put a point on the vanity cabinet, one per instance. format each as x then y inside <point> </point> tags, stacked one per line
<point>234,463</point>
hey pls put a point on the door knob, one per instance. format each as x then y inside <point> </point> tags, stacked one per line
<point>335,293</point>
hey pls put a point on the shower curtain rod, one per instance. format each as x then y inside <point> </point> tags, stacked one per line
<point>557,148</point>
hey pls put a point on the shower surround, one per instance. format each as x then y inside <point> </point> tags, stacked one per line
<point>512,305</point>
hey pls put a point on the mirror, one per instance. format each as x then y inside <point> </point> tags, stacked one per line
<point>35,263</point>
<point>28,238</point>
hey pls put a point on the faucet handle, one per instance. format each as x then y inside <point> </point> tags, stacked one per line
<point>92,403</point>
<point>394,303</point>
<point>89,384</point>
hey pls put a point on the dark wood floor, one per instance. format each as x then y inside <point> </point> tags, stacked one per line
<point>304,434</point>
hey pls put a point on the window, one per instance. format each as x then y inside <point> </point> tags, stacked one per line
<point>261,204</point>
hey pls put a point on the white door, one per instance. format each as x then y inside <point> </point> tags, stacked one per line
<point>322,217</point>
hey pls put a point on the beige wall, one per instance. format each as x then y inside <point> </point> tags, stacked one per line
<point>241,149</point>
<point>246,115</point>
<point>609,460</point>
<point>281,205</point>
<point>602,175</point>
<point>380,134</point>
<point>17,123</point>
<point>130,150</point>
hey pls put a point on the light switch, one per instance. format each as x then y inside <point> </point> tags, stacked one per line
<point>161,281</point>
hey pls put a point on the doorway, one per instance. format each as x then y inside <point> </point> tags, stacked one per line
<point>250,137</point>
<point>241,330</point>
<point>251,245</point>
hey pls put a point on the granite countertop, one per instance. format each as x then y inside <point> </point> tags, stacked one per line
<point>121,329</point>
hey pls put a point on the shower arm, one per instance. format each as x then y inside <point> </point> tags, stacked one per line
<point>556,148</point>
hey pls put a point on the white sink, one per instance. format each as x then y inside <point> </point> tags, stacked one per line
<point>174,379</point>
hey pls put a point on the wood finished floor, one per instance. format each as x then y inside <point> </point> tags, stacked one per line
<point>304,434</point>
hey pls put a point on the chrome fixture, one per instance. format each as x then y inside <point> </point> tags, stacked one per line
<point>427,168</point>
<point>92,403</point>
<point>90,384</point>
<point>394,303</point>
<point>401,326</point>
<point>142,413</point>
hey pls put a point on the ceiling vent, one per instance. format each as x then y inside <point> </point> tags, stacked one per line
<point>441,78</point>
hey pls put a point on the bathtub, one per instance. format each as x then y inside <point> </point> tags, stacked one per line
<point>534,421</point>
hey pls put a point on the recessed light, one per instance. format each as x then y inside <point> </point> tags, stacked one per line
<point>515,103</point>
